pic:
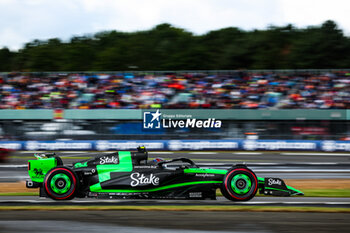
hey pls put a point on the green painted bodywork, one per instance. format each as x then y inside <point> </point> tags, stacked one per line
<point>97,187</point>
<point>261,180</point>
<point>125,165</point>
<point>292,191</point>
<point>295,190</point>
<point>104,170</point>
<point>201,170</point>
<point>282,190</point>
<point>39,168</point>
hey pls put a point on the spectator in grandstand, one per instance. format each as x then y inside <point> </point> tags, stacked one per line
<point>237,90</point>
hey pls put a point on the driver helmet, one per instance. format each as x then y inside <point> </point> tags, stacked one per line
<point>157,160</point>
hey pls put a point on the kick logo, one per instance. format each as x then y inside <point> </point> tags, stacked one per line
<point>38,172</point>
<point>151,120</point>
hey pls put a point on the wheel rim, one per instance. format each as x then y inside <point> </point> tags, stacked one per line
<point>241,184</point>
<point>60,183</point>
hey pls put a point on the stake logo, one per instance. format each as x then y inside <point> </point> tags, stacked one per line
<point>274,182</point>
<point>109,160</point>
<point>157,120</point>
<point>141,179</point>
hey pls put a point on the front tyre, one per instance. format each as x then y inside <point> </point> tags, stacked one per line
<point>240,184</point>
<point>61,183</point>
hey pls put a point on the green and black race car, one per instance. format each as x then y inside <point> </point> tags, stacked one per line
<point>127,174</point>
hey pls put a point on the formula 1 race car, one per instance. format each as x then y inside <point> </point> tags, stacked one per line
<point>127,174</point>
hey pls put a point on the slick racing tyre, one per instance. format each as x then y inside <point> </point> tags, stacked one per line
<point>61,183</point>
<point>240,184</point>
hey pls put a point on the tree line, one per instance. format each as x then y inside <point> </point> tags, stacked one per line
<point>166,47</point>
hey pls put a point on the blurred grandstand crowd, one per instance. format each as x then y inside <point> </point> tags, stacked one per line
<point>238,90</point>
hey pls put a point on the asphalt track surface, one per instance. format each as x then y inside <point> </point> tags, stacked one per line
<point>171,221</point>
<point>221,201</point>
<point>280,164</point>
<point>285,165</point>
<point>268,164</point>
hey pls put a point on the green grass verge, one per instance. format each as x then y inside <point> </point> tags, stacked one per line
<point>184,208</point>
<point>327,192</point>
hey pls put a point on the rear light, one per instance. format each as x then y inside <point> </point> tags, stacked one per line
<point>28,166</point>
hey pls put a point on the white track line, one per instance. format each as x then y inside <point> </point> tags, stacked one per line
<point>241,203</point>
<point>60,152</point>
<point>247,153</point>
<point>324,163</point>
<point>203,153</point>
<point>320,154</point>
<point>293,202</point>
<point>161,152</point>
<point>13,166</point>
<point>14,177</point>
<point>72,152</point>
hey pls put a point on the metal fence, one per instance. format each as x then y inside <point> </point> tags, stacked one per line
<point>63,129</point>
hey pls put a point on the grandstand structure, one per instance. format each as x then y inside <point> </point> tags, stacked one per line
<point>254,89</point>
<point>262,104</point>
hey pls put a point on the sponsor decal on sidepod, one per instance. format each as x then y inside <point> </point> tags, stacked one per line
<point>141,179</point>
<point>107,160</point>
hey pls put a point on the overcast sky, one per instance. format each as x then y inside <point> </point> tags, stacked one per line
<point>22,21</point>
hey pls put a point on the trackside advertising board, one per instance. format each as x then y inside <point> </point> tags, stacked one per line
<point>178,145</point>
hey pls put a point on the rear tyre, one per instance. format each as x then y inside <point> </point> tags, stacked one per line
<point>240,184</point>
<point>61,183</point>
